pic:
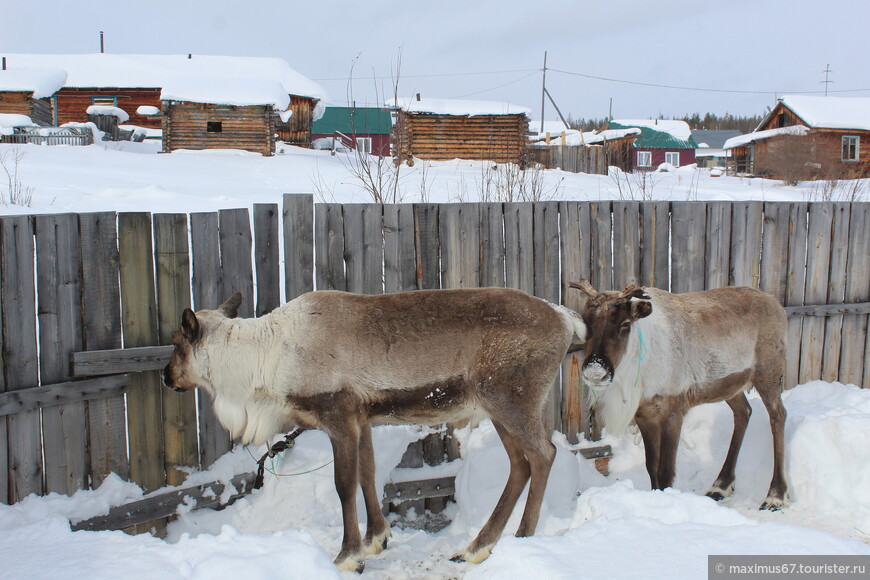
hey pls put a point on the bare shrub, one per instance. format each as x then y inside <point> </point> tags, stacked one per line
<point>509,182</point>
<point>15,192</point>
<point>635,186</point>
<point>790,158</point>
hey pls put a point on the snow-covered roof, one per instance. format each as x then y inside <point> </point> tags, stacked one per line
<point>742,140</point>
<point>107,110</point>
<point>572,136</point>
<point>679,129</point>
<point>42,82</point>
<point>457,107</point>
<point>226,91</point>
<point>104,70</point>
<point>830,112</point>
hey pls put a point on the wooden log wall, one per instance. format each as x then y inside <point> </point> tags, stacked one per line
<point>71,104</point>
<point>84,284</point>
<point>22,103</point>
<point>250,128</point>
<point>498,138</point>
<point>297,130</point>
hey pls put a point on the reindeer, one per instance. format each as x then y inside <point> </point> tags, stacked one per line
<point>651,355</point>
<point>338,361</point>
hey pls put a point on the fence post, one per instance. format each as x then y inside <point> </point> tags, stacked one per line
<point>298,244</point>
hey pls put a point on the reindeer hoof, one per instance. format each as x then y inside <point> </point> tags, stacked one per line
<point>351,564</point>
<point>715,495</point>
<point>771,505</point>
<point>377,543</point>
<point>718,493</point>
<point>475,557</point>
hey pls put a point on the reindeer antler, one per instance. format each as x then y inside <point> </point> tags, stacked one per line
<point>634,292</point>
<point>584,286</point>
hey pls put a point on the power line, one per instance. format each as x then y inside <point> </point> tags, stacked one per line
<point>465,74</point>
<point>522,78</point>
<point>701,89</point>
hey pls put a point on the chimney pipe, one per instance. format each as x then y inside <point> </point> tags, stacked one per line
<point>102,45</point>
<point>418,96</point>
<point>4,63</point>
<point>189,56</point>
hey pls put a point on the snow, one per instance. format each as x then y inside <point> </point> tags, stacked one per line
<point>105,70</point>
<point>679,129</point>
<point>741,140</point>
<point>591,526</point>
<point>121,114</point>
<point>9,121</point>
<point>147,110</point>
<point>226,91</point>
<point>457,107</point>
<point>831,112</point>
<point>42,82</point>
<point>572,136</point>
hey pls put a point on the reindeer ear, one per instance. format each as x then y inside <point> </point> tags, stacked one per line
<point>640,308</point>
<point>190,325</point>
<point>230,308</point>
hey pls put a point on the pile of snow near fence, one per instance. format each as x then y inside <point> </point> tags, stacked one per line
<point>591,525</point>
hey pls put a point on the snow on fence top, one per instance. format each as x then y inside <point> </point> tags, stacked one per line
<point>831,112</point>
<point>572,136</point>
<point>226,91</point>
<point>102,70</point>
<point>42,82</point>
<point>678,129</point>
<point>742,140</point>
<point>121,114</point>
<point>456,107</point>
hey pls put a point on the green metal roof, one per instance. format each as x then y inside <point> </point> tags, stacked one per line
<point>368,120</point>
<point>652,139</point>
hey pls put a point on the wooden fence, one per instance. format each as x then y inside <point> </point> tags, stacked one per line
<point>78,287</point>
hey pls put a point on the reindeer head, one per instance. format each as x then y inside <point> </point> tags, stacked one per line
<point>184,371</point>
<point>608,317</point>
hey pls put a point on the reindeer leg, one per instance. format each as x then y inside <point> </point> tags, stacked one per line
<point>777,496</point>
<point>541,455</point>
<point>651,433</point>
<point>480,548</point>
<point>724,485</point>
<point>377,529</point>
<point>345,441</point>
<point>670,440</point>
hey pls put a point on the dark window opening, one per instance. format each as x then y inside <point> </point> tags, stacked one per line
<point>214,126</point>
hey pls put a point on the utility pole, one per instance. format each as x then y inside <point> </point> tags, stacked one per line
<point>543,90</point>
<point>826,82</point>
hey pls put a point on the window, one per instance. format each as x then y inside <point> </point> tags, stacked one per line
<point>214,126</point>
<point>364,144</point>
<point>851,148</point>
<point>673,157</point>
<point>644,158</point>
<point>104,101</point>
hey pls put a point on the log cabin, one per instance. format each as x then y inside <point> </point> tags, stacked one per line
<point>807,137</point>
<point>222,113</point>
<point>28,91</point>
<point>444,129</point>
<point>130,81</point>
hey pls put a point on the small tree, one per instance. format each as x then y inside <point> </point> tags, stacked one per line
<point>790,158</point>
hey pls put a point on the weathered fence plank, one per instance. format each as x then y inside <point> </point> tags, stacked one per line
<point>101,319</point>
<point>237,269</point>
<point>547,286</point>
<point>59,394</point>
<point>774,250</point>
<point>20,362</point>
<point>426,242</point>
<point>688,226</point>
<point>821,220</point>
<point>795,288</point>
<point>267,261</point>
<point>655,239</point>
<point>519,247</point>
<point>626,243</point>
<point>746,243</point>
<point>298,244</point>
<point>459,228</point>
<point>856,347</point>
<point>58,257</point>
<point>208,293</point>
<point>329,257</point>
<point>492,250</point>
<point>139,305</point>
<point>718,244</point>
<point>400,260</point>
<point>364,247</point>
<point>172,265</point>
<point>836,292</point>
<point>601,221</point>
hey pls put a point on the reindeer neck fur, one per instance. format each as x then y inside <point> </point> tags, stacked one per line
<point>620,401</point>
<point>245,356</point>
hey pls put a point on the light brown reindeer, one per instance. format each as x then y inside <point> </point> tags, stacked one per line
<point>338,361</point>
<point>651,355</point>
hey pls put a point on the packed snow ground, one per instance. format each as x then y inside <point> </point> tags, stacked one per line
<point>615,528</point>
<point>135,177</point>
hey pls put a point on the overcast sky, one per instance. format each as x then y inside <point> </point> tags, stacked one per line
<point>494,49</point>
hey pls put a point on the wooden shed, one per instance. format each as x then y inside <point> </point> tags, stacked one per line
<point>443,129</point>
<point>130,81</point>
<point>808,137</point>
<point>222,113</point>
<point>28,92</point>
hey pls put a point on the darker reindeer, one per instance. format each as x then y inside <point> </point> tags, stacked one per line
<point>337,361</point>
<point>652,355</point>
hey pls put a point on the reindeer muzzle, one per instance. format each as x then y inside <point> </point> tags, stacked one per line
<point>167,381</point>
